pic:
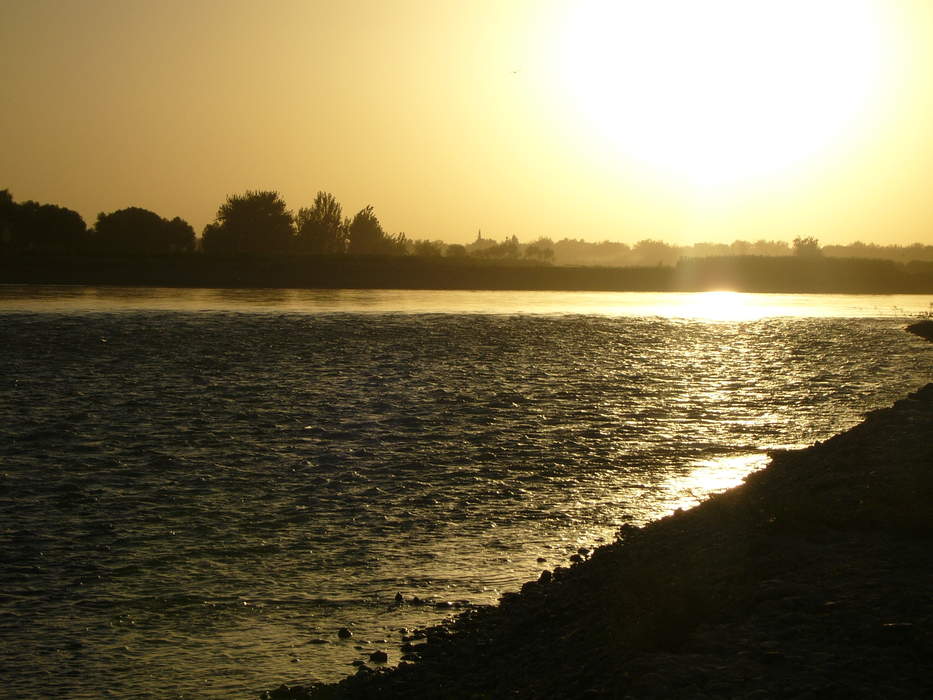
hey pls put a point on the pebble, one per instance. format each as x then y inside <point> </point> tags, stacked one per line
<point>344,633</point>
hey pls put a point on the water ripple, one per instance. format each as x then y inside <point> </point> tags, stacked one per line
<point>190,491</point>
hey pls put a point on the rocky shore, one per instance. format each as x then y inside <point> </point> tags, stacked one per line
<point>814,579</point>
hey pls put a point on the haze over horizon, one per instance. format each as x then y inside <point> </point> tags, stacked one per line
<point>674,120</point>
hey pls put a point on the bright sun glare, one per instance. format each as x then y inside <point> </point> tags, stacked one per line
<point>717,92</point>
<point>719,306</point>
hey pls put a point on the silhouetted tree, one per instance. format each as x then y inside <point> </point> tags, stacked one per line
<point>368,238</point>
<point>570,251</point>
<point>508,249</point>
<point>180,236</point>
<point>257,221</point>
<point>652,252</point>
<point>915,251</point>
<point>322,228</point>
<point>7,210</point>
<point>138,231</point>
<point>40,228</point>
<point>772,248</point>
<point>542,249</point>
<point>808,247</point>
<point>456,250</point>
<point>429,249</point>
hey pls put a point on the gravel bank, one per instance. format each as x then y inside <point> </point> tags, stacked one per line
<point>814,579</point>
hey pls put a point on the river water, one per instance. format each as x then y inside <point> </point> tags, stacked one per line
<point>198,488</point>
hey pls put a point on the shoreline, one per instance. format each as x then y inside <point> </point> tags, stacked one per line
<point>811,579</point>
<point>779,275</point>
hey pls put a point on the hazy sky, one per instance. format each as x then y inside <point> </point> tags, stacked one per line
<point>684,120</point>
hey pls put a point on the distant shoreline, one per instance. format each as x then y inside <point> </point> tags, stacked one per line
<point>786,275</point>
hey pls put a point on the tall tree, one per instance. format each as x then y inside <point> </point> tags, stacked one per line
<point>41,228</point>
<point>321,227</point>
<point>368,238</point>
<point>7,210</point>
<point>138,231</point>
<point>257,221</point>
<point>808,247</point>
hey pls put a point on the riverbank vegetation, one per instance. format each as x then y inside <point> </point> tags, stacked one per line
<point>256,240</point>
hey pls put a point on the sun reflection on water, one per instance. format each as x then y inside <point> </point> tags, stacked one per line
<point>710,477</point>
<point>723,306</point>
<point>715,306</point>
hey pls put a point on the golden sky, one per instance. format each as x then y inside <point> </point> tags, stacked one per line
<point>683,120</point>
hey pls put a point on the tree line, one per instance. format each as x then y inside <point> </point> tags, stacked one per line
<point>259,223</point>
<point>30,227</point>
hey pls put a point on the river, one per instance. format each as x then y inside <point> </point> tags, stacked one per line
<point>198,488</point>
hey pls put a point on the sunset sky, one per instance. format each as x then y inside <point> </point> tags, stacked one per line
<point>686,121</point>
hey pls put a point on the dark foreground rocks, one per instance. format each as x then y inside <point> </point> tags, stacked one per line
<point>922,328</point>
<point>814,579</point>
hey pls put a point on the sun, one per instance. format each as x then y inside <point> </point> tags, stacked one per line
<point>718,92</point>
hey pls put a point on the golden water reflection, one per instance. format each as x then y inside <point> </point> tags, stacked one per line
<point>717,306</point>
<point>726,306</point>
<point>710,477</point>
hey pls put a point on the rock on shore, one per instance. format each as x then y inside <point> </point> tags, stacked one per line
<point>814,579</point>
<point>922,328</point>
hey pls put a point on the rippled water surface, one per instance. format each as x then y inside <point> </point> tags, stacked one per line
<point>192,502</point>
